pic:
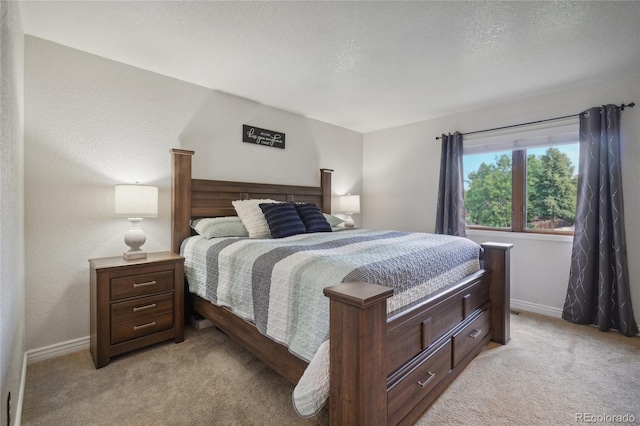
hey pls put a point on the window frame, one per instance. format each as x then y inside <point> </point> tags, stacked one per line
<point>518,200</point>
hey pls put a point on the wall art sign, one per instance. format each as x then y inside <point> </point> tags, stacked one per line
<point>260,136</point>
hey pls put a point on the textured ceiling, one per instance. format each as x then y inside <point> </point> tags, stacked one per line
<point>360,65</point>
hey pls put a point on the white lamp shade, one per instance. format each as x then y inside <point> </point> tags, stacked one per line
<point>136,201</point>
<point>350,204</point>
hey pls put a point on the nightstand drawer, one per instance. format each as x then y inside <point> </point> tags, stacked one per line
<point>141,327</point>
<point>139,285</point>
<point>140,308</point>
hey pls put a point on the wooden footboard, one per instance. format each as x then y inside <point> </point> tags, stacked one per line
<point>384,369</point>
<point>389,370</point>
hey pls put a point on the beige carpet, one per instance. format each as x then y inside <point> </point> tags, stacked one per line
<point>550,372</point>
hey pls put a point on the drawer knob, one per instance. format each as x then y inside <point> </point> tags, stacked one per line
<point>138,327</point>
<point>142,308</point>
<point>423,383</point>
<point>475,333</point>
<point>146,284</point>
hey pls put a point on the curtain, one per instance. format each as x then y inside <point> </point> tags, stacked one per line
<point>598,291</point>
<point>450,214</point>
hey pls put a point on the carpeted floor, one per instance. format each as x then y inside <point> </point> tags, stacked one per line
<point>550,373</point>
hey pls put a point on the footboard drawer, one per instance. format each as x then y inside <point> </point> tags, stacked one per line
<point>470,336</point>
<point>421,327</point>
<point>417,381</point>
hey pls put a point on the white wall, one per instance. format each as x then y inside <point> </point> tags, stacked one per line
<point>12,285</point>
<point>401,167</point>
<point>91,123</point>
<point>214,133</point>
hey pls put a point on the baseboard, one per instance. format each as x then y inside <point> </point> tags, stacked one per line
<point>522,305</point>
<point>55,350</point>
<point>17,419</point>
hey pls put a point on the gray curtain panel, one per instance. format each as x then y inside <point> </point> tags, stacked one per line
<point>450,214</point>
<point>598,291</point>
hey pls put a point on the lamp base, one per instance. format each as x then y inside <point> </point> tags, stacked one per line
<point>135,238</point>
<point>348,223</point>
<point>134,254</point>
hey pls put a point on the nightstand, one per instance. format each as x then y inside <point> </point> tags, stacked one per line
<point>135,303</point>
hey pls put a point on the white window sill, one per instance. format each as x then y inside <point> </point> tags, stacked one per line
<point>519,236</point>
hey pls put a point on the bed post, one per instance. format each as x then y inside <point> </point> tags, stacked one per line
<point>180,197</point>
<point>497,261</point>
<point>325,184</point>
<point>358,366</point>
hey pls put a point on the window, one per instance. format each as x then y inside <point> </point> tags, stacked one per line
<point>522,184</point>
<point>488,190</point>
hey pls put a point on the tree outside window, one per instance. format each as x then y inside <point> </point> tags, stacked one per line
<point>536,194</point>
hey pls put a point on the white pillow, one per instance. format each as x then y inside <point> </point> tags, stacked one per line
<point>252,217</point>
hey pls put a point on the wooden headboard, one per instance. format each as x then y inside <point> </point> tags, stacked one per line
<point>196,198</point>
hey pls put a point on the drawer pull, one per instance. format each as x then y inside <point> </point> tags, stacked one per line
<point>424,383</point>
<point>475,333</point>
<point>148,283</point>
<point>138,327</point>
<point>142,308</point>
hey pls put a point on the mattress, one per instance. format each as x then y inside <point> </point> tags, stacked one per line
<point>276,284</point>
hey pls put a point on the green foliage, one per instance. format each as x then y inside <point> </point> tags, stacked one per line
<point>488,199</point>
<point>552,187</point>
<point>551,190</point>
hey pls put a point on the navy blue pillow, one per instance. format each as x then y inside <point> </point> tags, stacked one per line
<point>283,219</point>
<point>313,218</point>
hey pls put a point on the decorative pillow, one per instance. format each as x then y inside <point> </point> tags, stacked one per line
<point>333,220</point>
<point>230,226</point>
<point>252,217</point>
<point>312,218</point>
<point>283,219</point>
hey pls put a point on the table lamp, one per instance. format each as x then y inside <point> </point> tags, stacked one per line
<point>136,202</point>
<point>349,204</point>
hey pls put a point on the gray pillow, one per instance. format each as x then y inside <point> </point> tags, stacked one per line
<point>333,220</point>
<point>228,226</point>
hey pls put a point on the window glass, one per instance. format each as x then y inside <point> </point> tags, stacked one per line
<point>522,190</point>
<point>552,182</point>
<point>487,185</point>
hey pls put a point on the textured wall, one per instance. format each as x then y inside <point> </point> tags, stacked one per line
<point>214,133</point>
<point>401,167</point>
<point>12,284</point>
<point>91,123</point>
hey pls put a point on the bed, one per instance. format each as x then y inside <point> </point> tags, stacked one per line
<point>384,367</point>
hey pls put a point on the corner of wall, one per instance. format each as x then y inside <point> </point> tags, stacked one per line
<point>12,277</point>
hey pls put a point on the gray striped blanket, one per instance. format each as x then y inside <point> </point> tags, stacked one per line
<point>277,283</point>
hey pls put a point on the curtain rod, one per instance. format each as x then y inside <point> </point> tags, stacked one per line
<point>622,107</point>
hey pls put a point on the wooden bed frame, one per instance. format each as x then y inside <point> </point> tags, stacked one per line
<point>383,369</point>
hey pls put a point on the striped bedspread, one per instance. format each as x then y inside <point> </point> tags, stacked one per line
<point>277,283</point>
